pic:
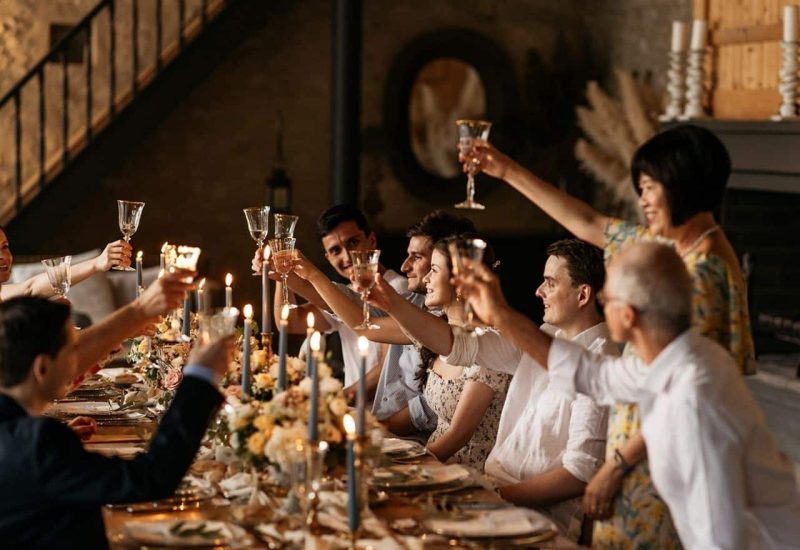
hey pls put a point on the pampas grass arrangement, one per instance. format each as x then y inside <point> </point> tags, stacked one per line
<point>614,129</point>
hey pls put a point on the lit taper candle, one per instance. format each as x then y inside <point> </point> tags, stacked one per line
<point>313,406</point>
<point>361,398</point>
<point>282,348</point>
<point>228,290</point>
<point>139,274</point>
<point>201,297</point>
<point>309,333</point>
<point>248,316</point>
<point>162,259</point>
<point>353,508</point>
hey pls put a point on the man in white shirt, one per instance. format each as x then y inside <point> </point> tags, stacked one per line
<point>712,458</point>
<point>550,441</point>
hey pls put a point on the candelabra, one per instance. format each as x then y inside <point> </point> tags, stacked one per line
<point>675,87</point>
<point>695,76</point>
<point>788,85</point>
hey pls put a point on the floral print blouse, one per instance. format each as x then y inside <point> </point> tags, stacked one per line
<point>442,395</point>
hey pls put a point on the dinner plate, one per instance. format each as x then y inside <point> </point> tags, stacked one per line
<point>122,450</point>
<point>493,524</point>
<point>196,533</point>
<point>413,476</point>
<point>87,408</point>
<point>402,449</point>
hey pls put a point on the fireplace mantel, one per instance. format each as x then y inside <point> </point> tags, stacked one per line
<point>765,154</point>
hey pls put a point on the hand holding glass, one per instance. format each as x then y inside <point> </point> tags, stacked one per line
<point>129,213</point>
<point>471,249</point>
<point>365,267</point>
<point>59,273</point>
<point>468,132</point>
<point>283,257</point>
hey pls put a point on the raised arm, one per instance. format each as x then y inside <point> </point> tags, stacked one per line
<point>576,216</point>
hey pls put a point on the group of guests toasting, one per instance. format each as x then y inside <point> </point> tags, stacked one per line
<point>625,411</point>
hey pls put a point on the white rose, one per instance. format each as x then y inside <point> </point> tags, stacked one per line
<point>305,386</point>
<point>338,407</point>
<point>329,385</point>
<point>324,370</point>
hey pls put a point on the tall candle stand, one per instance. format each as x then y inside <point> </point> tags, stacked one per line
<point>312,513</point>
<point>789,80</point>
<point>695,76</point>
<point>266,345</point>
<point>675,87</point>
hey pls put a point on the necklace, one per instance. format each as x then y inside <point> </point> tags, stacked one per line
<point>699,239</point>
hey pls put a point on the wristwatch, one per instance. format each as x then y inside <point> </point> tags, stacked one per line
<point>621,464</point>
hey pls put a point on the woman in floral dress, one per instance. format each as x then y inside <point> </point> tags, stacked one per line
<point>680,176</point>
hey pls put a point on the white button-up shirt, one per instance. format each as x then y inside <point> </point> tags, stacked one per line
<point>544,425</point>
<point>712,458</point>
<point>350,353</point>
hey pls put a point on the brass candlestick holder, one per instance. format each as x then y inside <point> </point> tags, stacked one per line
<point>266,344</point>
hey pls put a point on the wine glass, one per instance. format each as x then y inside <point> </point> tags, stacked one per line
<point>365,266</point>
<point>258,225</point>
<point>178,257</point>
<point>59,273</point>
<point>468,132</point>
<point>283,256</point>
<point>472,249</point>
<point>129,213</point>
<point>284,225</point>
<point>218,324</point>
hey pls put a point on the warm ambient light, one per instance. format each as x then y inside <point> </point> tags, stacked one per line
<point>164,247</point>
<point>284,313</point>
<point>316,339</point>
<point>349,424</point>
<point>267,252</point>
<point>202,284</point>
<point>309,319</point>
<point>139,255</point>
<point>228,279</point>
<point>363,345</point>
<point>248,311</point>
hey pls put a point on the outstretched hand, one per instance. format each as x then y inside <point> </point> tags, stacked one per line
<point>83,426</point>
<point>485,158</point>
<point>482,289</point>
<point>305,269</point>
<point>382,294</point>
<point>116,254</point>
<point>165,294</point>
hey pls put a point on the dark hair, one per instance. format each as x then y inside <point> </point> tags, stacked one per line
<point>335,215</point>
<point>442,245</point>
<point>439,225</point>
<point>29,327</point>
<point>584,264</point>
<point>693,166</point>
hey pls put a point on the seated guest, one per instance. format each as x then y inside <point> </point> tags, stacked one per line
<point>550,441</point>
<point>467,398</point>
<point>712,458</point>
<point>399,401</point>
<point>117,253</point>
<point>52,487</point>
<point>341,228</point>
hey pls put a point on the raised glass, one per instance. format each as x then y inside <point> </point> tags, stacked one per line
<point>468,132</point>
<point>59,273</point>
<point>472,249</point>
<point>283,256</point>
<point>284,225</point>
<point>258,224</point>
<point>365,267</point>
<point>129,214</point>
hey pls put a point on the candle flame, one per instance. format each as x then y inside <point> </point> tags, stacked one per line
<point>267,252</point>
<point>248,311</point>
<point>164,247</point>
<point>139,255</point>
<point>160,273</point>
<point>316,340</point>
<point>284,313</point>
<point>310,320</point>
<point>202,284</point>
<point>228,279</point>
<point>349,424</point>
<point>363,345</point>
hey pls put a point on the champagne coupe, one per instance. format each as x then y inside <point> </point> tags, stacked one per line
<point>283,256</point>
<point>472,249</point>
<point>365,266</point>
<point>258,224</point>
<point>59,273</point>
<point>468,132</point>
<point>129,214</point>
<point>284,225</point>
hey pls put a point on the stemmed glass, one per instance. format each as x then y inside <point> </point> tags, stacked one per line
<point>471,249</point>
<point>178,257</point>
<point>283,256</point>
<point>284,225</point>
<point>258,225</point>
<point>59,273</point>
<point>365,266</point>
<point>468,132</point>
<point>129,213</point>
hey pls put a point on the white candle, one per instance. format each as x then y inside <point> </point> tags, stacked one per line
<point>699,28</point>
<point>162,260</point>
<point>248,316</point>
<point>228,290</point>
<point>282,348</point>
<point>139,274</point>
<point>201,297</point>
<point>313,406</point>
<point>678,36</point>
<point>361,398</point>
<point>790,23</point>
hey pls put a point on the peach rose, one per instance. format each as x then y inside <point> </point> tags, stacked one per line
<point>173,378</point>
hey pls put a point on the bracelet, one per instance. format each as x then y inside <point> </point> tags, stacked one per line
<point>622,464</point>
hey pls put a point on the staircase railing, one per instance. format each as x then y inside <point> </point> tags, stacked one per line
<point>34,168</point>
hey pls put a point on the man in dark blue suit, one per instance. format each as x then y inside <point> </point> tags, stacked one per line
<point>51,488</point>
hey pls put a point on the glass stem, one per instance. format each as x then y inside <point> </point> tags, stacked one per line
<point>470,187</point>
<point>365,306</point>
<point>284,278</point>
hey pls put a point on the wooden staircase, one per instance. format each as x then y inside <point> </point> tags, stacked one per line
<point>35,168</point>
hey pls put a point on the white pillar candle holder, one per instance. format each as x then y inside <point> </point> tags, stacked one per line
<point>675,87</point>
<point>789,80</point>
<point>695,86</point>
